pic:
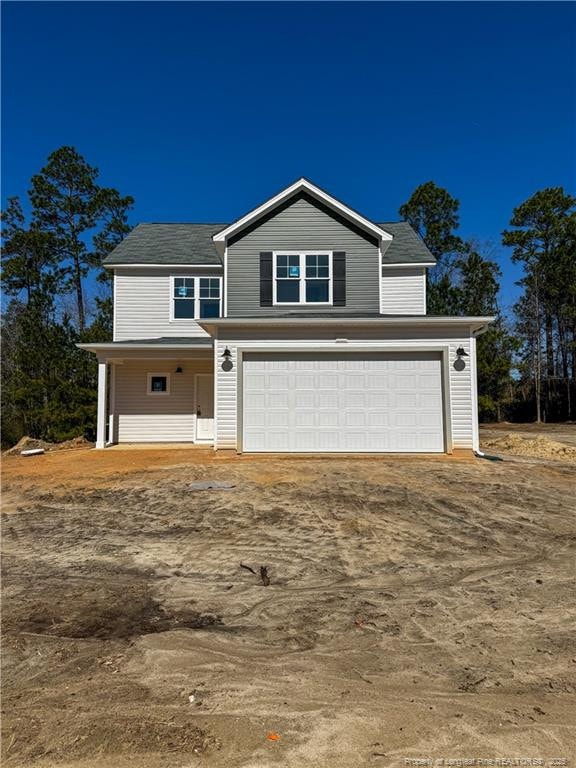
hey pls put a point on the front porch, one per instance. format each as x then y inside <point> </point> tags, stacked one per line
<point>155,392</point>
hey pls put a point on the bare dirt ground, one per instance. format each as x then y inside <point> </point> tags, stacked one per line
<point>417,609</point>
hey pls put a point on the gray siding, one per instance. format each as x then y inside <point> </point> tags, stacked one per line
<point>301,226</point>
<point>142,303</point>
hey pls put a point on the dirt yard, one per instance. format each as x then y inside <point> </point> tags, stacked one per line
<point>416,609</point>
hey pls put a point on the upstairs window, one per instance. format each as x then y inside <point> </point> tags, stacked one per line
<point>302,278</point>
<point>196,297</point>
<point>209,296</point>
<point>184,301</point>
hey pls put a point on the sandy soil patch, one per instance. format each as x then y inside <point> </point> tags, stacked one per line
<point>564,432</point>
<point>416,609</point>
<point>536,447</point>
<point>28,443</point>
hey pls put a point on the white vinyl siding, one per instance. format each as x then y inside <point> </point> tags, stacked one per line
<point>168,418</point>
<point>143,304</point>
<point>403,291</point>
<point>461,424</point>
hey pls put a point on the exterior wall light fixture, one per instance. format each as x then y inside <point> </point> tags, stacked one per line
<point>460,363</point>
<point>227,364</point>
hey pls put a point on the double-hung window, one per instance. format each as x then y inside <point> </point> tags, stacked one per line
<point>183,292</point>
<point>196,297</point>
<point>302,278</point>
<point>209,297</point>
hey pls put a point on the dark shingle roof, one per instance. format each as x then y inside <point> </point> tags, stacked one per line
<point>168,244</point>
<point>189,244</point>
<point>407,246</point>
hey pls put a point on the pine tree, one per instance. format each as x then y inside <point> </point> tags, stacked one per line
<point>68,204</point>
<point>48,384</point>
<point>433,213</point>
<point>543,239</point>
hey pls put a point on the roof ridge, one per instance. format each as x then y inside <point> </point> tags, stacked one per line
<point>185,223</point>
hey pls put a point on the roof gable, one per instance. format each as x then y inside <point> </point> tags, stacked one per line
<point>302,186</point>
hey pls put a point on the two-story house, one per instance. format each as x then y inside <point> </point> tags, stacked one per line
<point>301,327</point>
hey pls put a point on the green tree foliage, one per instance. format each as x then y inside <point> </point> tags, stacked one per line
<point>68,204</point>
<point>434,214</point>
<point>29,260</point>
<point>464,283</point>
<point>477,292</point>
<point>544,241</point>
<point>48,384</point>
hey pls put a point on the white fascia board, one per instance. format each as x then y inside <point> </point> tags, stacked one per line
<point>312,189</point>
<point>397,264</point>
<point>475,324</point>
<point>163,266</point>
<point>110,347</point>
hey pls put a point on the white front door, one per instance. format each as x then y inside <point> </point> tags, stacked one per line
<point>204,407</point>
<point>362,401</point>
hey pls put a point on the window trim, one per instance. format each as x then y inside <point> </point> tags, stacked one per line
<point>196,298</point>
<point>149,377</point>
<point>302,279</point>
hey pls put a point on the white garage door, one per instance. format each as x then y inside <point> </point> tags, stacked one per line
<point>342,402</point>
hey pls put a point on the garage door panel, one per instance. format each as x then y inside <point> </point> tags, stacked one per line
<point>377,399</point>
<point>254,400</point>
<point>405,419</point>
<point>352,399</point>
<point>354,381</point>
<point>305,418</point>
<point>278,418</point>
<point>304,440</point>
<point>256,382</point>
<point>347,402</point>
<point>277,439</point>
<point>327,439</point>
<point>430,401</point>
<point>279,381</point>
<point>329,399</point>
<point>328,418</point>
<point>430,420</point>
<point>407,400</point>
<point>355,418</point>
<point>377,381</point>
<point>380,419</point>
<point>257,419</point>
<point>303,381</point>
<point>328,381</point>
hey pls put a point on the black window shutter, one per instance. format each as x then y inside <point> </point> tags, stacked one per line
<point>266,279</point>
<point>339,279</point>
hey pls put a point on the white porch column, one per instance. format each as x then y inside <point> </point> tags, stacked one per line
<point>102,397</point>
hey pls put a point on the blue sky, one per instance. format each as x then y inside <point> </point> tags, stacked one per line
<point>202,110</point>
